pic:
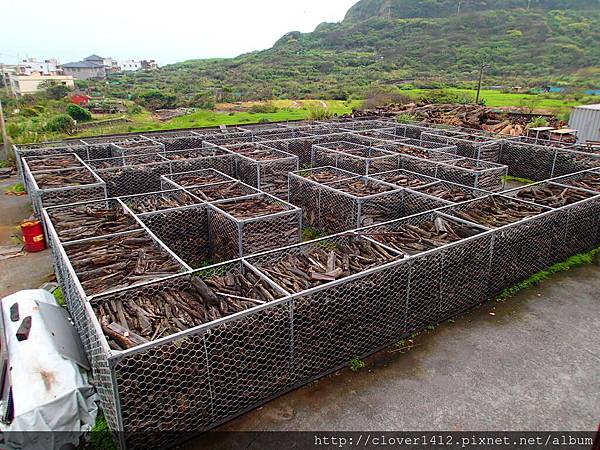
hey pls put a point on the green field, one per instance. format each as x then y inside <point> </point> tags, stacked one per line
<point>494,98</point>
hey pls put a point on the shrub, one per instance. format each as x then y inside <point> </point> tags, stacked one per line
<point>61,123</point>
<point>263,108</point>
<point>78,113</point>
<point>318,112</point>
<point>538,122</point>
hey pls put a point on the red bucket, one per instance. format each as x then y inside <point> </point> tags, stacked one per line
<point>33,235</point>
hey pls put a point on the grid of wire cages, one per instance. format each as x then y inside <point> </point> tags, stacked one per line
<point>188,351</point>
<point>252,224</point>
<point>264,167</point>
<point>334,201</point>
<point>466,171</point>
<point>353,157</point>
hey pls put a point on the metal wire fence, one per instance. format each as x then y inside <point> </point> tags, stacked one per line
<point>203,346</point>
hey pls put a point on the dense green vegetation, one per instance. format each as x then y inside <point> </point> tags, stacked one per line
<point>427,43</point>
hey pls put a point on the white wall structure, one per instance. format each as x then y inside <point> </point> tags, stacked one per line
<point>130,64</point>
<point>586,119</point>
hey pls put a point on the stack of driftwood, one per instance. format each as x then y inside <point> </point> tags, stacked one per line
<point>478,117</point>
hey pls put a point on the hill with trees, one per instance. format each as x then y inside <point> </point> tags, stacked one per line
<point>424,43</point>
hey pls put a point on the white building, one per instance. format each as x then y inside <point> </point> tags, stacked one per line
<point>29,84</point>
<point>586,120</point>
<point>32,66</point>
<point>130,64</point>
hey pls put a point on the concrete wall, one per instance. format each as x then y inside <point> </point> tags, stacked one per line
<point>85,73</point>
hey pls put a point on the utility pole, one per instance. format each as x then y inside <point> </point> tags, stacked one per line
<point>4,155</point>
<point>479,83</point>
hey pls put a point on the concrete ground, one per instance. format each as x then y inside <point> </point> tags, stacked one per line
<point>31,269</point>
<point>530,363</point>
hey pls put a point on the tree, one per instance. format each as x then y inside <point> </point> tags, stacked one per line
<point>78,113</point>
<point>54,90</point>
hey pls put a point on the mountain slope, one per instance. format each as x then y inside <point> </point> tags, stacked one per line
<point>390,41</point>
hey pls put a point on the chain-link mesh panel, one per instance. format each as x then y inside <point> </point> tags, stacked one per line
<point>520,250</point>
<point>195,178</point>
<point>201,159</point>
<point>180,142</point>
<point>452,192</point>
<point>588,180</point>
<point>568,161</point>
<point>44,198</point>
<point>470,172</point>
<point>534,162</point>
<point>421,149</point>
<point>184,231</point>
<point>414,202</point>
<point>133,179</point>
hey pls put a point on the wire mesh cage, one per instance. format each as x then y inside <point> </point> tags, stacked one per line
<point>588,180</point>
<point>225,190</point>
<point>90,219</point>
<point>452,192</point>
<point>194,178</point>
<point>469,145</point>
<point>159,201</point>
<point>233,332</point>
<point>470,172</point>
<point>252,224</point>
<point>137,147</point>
<point>404,178</point>
<point>208,157</point>
<point>130,180</point>
<point>569,161</point>
<point>420,149</point>
<point>263,167</point>
<point>62,186</point>
<point>107,263</point>
<point>126,160</point>
<point>576,217</point>
<point>524,160</point>
<point>523,238</point>
<point>353,157</point>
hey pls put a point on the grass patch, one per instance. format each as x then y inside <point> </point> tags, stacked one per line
<point>509,178</point>
<point>356,364</point>
<point>312,233</point>
<point>580,259</point>
<point>17,189</point>
<point>58,295</point>
<point>101,437</point>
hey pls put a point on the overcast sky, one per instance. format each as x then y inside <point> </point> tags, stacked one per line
<point>168,31</point>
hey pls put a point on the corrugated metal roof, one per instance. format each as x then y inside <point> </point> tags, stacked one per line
<point>595,107</point>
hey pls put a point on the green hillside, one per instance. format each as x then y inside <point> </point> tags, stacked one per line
<point>427,42</point>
